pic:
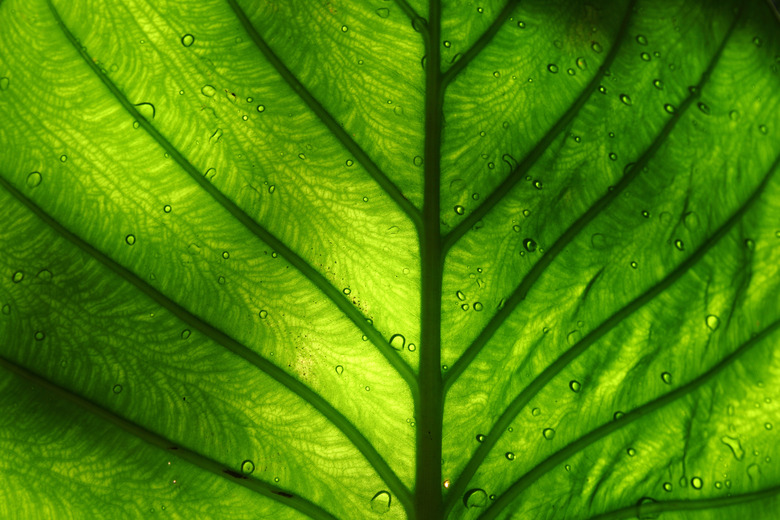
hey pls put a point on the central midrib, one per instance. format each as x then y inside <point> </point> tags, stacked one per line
<point>427,490</point>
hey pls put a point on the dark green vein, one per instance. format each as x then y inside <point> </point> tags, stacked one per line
<point>253,484</point>
<point>527,163</point>
<point>429,410</point>
<point>568,236</point>
<point>418,22</point>
<point>335,128</point>
<point>314,276</point>
<point>305,393</point>
<point>602,431</point>
<point>528,393</point>
<point>478,45</point>
<point>653,508</point>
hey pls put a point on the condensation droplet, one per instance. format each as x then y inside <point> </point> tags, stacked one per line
<point>625,99</point>
<point>247,467</point>
<point>380,503</point>
<point>679,245</point>
<point>696,483</point>
<point>575,385</point>
<point>397,341</point>
<point>187,40</point>
<point>339,369</point>
<point>263,314</point>
<point>208,90</point>
<point>130,239</point>
<point>383,12</point>
<point>117,389</point>
<point>548,433</point>
<point>509,455</point>
<point>475,498</point>
<point>460,210</point>
<point>713,322</point>
<point>34,179</point>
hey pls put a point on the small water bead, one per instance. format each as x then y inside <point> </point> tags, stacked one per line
<point>478,306</point>
<point>344,28</point>
<point>475,498</point>
<point>136,125</point>
<point>704,108</point>
<point>548,433</point>
<point>221,280</point>
<point>757,41</point>
<point>117,389</point>
<point>713,322</point>
<point>696,483</point>
<point>187,40</point>
<point>263,314</point>
<point>634,265</point>
<point>167,208</point>
<point>613,156</point>
<point>669,108</point>
<point>618,415</point>
<point>536,412</point>
<point>380,503</point>
<point>602,89</point>
<point>645,56</point>
<point>465,306</point>
<point>397,341</point>
<point>521,24</point>
<point>208,90</point>
<point>768,425</point>
<point>39,335</point>
<point>529,244</point>
<point>247,467</point>
<point>597,48</point>
<point>667,487</point>
<point>480,438</point>
<point>631,452</point>
<point>63,158</point>
<point>734,115</point>
<point>679,245</point>
<point>641,39</point>
<point>538,184</point>
<point>552,67</point>
<point>6,309</point>
<point>666,377</point>
<point>581,63</point>
<point>460,295</point>
<point>575,385</point>
<point>347,291</point>
<point>496,74</point>
<point>509,455</point>
<point>657,83</point>
<point>763,129</point>
<point>383,12</point>
<point>412,347</point>
<point>34,179</point>
<point>130,239</point>
<point>460,210</point>
<point>225,255</point>
<point>185,334</point>
<point>625,99</point>
<point>480,10</point>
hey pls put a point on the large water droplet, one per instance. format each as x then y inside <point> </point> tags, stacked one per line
<point>380,503</point>
<point>667,487</point>
<point>247,467</point>
<point>34,179</point>
<point>475,498</point>
<point>713,322</point>
<point>208,90</point>
<point>397,341</point>
<point>696,483</point>
<point>548,433</point>
<point>339,369</point>
<point>187,40</point>
<point>734,445</point>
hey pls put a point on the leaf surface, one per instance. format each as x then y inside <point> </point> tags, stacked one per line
<point>346,260</point>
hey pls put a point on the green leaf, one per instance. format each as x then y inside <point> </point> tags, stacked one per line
<point>349,260</point>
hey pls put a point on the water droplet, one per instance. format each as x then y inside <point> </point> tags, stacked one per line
<point>187,40</point>
<point>39,335</point>
<point>683,482</point>
<point>347,291</point>
<point>210,174</point>
<point>34,179</point>
<point>669,108</point>
<point>657,83</point>
<point>666,377</point>
<point>575,385</point>
<point>581,63</point>
<point>696,483</point>
<point>631,452</point>
<point>475,498</point>
<point>763,129</point>
<point>667,487</point>
<point>478,306</point>
<point>521,24</point>
<point>704,108</point>
<point>17,277</point>
<point>536,412</point>
<point>383,12</point>
<point>573,337</point>
<point>679,244</point>
<point>526,212</point>
<point>380,503</point>
<point>480,438</point>
<point>496,74</point>
<point>596,46</point>
<point>247,467</point>
<point>63,158</point>
<point>221,280</point>
<point>185,334</point>
<point>548,433</point>
<point>602,89</point>
<point>130,239</point>
<point>167,208</point>
<point>344,28</point>
<point>339,369</point>
<point>645,56</point>
<point>509,455</point>
<point>552,67</point>
<point>136,125</point>
<point>757,42</point>
<point>641,39</point>
<point>768,425</point>
<point>734,115</point>
<point>598,241</point>
<point>465,306</point>
<point>538,184</point>
<point>4,82</point>
<point>397,341</point>
<point>460,210</point>
<point>208,90</point>
<point>412,347</point>
<point>529,244</point>
<point>625,99</point>
<point>460,295</point>
<point>263,314</point>
<point>618,415</point>
<point>713,322</point>
<point>117,389</point>
<point>216,136</point>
